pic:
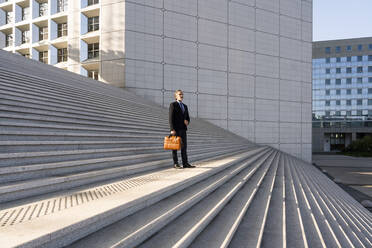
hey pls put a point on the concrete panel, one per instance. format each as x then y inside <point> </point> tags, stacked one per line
<point>307,31</point>
<point>267,66</point>
<point>306,72</point>
<point>212,33</point>
<point>143,19</point>
<point>290,27</point>
<point>290,133</point>
<point>212,82</point>
<point>213,10</point>
<point>306,132</point>
<point>268,5</point>
<point>306,112</point>
<point>143,46</point>
<point>267,132</point>
<point>290,69</point>
<point>112,72</point>
<point>291,8</point>
<point>241,85</point>
<point>180,26</point>
<point>212,107</point>
<point>117,10</point>
<point>241,38</point>
<point>290,111</point>
<point>246,2</point>
<point>267,21</point>
<point>241,62</point>
<point>290,90</point>
<point>212,57</point>
<point>240,108</point>
<point>267,88</point>
<point>307,11</point>
<point>267,44</point>
<point>152,3</point>
<point>267,110</point>
<point>180,77</point>
<point>143,74</point>
<point>306,92</point>
<point>187,7</point>
<point>242,128</point>
<point>241,15</point>
<point>291,49</point>
<point>306,52</point>
<point>306,153</point>
<point>180,52</point>
<point>112,45</point>
<point>293,149</point>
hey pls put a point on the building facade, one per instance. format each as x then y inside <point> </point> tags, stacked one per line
<point>243,65</point>
<point>342,92</point>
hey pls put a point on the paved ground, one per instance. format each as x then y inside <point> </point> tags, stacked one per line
<point>354,174</point>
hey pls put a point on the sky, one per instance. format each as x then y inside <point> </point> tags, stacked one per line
<point>341,19</point>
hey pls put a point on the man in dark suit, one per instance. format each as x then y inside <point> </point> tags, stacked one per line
<point>179,119</point>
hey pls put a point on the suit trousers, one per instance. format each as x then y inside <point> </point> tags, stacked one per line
<point>182,134</point>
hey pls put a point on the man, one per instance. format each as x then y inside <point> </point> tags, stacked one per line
<point>179,119</point>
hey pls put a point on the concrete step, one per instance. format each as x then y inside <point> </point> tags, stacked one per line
<point>187,207</point>
<point>28,188</point>
<point>98,213</point>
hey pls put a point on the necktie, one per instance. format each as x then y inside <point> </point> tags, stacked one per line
<point>182,107</point>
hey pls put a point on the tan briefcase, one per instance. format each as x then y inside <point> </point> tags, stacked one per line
<point>172,142</point>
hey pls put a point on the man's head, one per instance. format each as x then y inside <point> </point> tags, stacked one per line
<point>178,95</point>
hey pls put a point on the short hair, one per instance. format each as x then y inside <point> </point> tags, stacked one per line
<point>175,93</point>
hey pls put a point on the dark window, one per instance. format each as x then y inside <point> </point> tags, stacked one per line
<point>327,103</point>
<point>327,113</point>
<point>348,59</point>
<point>327,50</point>
<point>348,69</point>
<point>369,101</point>
<point>360,91</point>
<point>91,2</point>
<point>338,49</point>
<point>359,58</point>
<point>370,80</point>
<point>338,70</point>
<point>359,112</point>
<point>369,57</point>
<point>9,40</point>
<point>369,68</point>
<point>93,50</point>
<point>348,92</point>
<point>360,47</point>
<point>93,74</point>
<point>348,113</point>
<point>338,92</point>
<point>348,48</point>
<point>328,81</point>
<point>62,29</point>
<point>338,59</point>
<point>43,57</point>
<point>62,55</point>
<point>348,102</point>
<point>327,92</point>
<point>370,91</point>
<point>25,37</point>
<point>93,23</point>
<point>43,33</point>
<point>348,80</point>
<point>338,102</point>
<point>338,81</point>
<point>328,70</point>
<point>359,80</point>
<point>338,113</point>
<point>359,69</point>
<point>359,102</point>
<point>328,60</point>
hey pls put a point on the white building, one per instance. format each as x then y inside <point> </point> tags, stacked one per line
<point>243,65</point>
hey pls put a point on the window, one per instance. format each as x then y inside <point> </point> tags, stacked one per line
<point>91,2</point>
<point>328,70</point>
<point>359,102</point>
<point>25,13</point>
<point>359,58</point>
<point>338,59</point>
<point>61,5</point>
<point>370,46</point>
<point>369,112</point>
<point>43,33</point>
<point>327,103</point>
<point>43,9</point>
<point>9,40</point>
<point>338,102</point>
<point>93,23</point>
<point>327,92</point>
<point>360,91</point>
<point>93,74</point>
<point>359,112</point>
<point>328,81</point>
<point>338,70</point>
<point>369,101</point>
<point>370,80</point>
<point>62,55</point>
<point>348,92</point>
<point>338,113</point>
<point>370,91</point>
<point>338,81</point>
<point>369,68</point>
<point>348,102</point>
<point>25,37</point>
<point>9,17</point>
<point>348,80</point>
<point>348,113</point>
<point>43,57</point>
<point>369,57</point>
<point>93,50</point>
<point>360,47</point>
<point>338,49</point>
<point>26,55</point>
<point>327,50</point>
<point>348,69</point>
<point>328,60</point>
<point>327,113</point>
<point>359,69</point>
<point>338,92</point>
<point>359,80</point>
<point>62,29</point>
<point>348,59</point>
<point>348,48</point>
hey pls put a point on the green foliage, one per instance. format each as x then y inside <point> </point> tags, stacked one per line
<point>361,146</point>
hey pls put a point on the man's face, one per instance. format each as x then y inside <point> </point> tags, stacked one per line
<point>179,96</point>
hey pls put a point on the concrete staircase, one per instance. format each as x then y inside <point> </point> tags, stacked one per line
<point>82,165</point>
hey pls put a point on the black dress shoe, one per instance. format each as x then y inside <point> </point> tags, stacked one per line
<point>187,165</point>
<point>177,166</point>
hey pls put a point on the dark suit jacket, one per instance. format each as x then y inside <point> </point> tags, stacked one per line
<point>176,117</point>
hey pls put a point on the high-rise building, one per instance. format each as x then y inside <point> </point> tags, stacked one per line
<point>342,92</point>
<point>243,65</point>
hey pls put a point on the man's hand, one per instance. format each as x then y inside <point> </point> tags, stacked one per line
<point>173,132</point>
<point>186,122</point>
